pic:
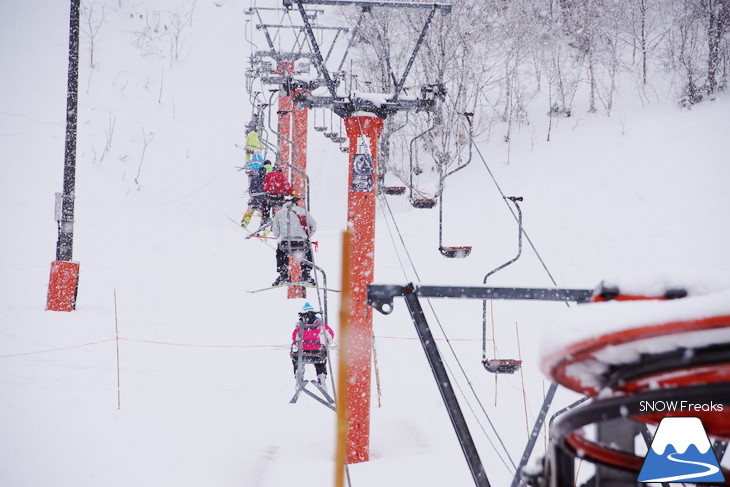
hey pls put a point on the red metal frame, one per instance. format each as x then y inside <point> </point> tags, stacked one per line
<point>556,365</point>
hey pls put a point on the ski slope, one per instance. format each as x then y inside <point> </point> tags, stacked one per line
<point>201,395</point>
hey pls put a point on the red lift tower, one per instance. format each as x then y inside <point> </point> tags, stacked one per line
<point>364,123</point>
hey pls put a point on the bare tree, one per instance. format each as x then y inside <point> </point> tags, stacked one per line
<point>90,26</point>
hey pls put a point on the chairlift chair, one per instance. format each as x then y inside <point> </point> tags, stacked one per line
<point>394,190</point>
<point>424,203</point>
<point>308,356</point>
<point>337,137</point>
<point>502,366</point>
<point>319,128</point>
<point>458,252</point>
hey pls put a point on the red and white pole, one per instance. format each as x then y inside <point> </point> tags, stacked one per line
<point>364,132</point>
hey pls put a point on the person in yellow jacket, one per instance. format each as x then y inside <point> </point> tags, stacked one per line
<point>253,142</point>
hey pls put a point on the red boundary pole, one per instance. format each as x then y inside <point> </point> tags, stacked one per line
<point>361,221</point>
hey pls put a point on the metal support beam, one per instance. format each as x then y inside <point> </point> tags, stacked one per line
<point>444,384</point>
<point>534,434</point>
<point>444,7</point>
<point>315,27</point>
<point>399,85</point>
<point>64,245</point>
<point>318,59</point>
<point>380,296</point>
<point>344,107</point>
<point>284,56</point>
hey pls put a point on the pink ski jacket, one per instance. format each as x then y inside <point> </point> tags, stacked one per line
<point>310,338</point>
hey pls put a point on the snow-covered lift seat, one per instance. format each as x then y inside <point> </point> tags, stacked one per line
<point>502,366</point>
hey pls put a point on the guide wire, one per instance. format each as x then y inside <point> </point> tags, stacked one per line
<point>451,348</point>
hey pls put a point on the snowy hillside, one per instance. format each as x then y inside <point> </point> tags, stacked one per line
<point>205,378</point>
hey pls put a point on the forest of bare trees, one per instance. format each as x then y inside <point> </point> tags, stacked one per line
<point>496,57</point>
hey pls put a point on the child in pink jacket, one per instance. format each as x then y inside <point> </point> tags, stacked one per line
<point>313,340</point>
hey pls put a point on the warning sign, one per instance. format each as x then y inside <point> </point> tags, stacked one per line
<point>362,172</point>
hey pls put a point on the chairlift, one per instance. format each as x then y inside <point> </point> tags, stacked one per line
<point>337,137</point>
<point>421,202</point>
<point>502,366</point>
<point>308,356</point>
<point>383,166</point>
<point>394,190</point>
<point>319,128</point>
<point>458,252</point>
<point>331,134</point>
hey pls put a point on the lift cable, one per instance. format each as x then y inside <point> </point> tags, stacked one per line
<point>504,197</point>
<point>448,341</point>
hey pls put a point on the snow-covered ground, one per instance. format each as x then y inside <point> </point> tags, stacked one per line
<point>205,377</point>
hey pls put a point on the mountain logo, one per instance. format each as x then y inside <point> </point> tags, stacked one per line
<point>680,452</point>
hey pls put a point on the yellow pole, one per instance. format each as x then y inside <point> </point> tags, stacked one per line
<point>342,373</point>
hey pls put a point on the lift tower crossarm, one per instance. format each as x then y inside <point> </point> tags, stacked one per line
<point>315,27</point>
<point>402,81</point>
<point>444,7</point>
<point>319,61</point>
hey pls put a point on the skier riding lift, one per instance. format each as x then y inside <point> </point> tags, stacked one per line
<point>310,332</point>
<point>253,142</point>
<point>293,226</point>
<point>256,197</point>
<point>277,187</point>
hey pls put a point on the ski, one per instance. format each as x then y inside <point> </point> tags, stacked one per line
<point>258,232</point>
<point>261,238</point>
<point>302,284</point>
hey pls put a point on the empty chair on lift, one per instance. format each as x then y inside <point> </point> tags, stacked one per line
<point>502,366</point>
<point>394,190</point>
<point>459,252</point>
<point>423,202</point>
